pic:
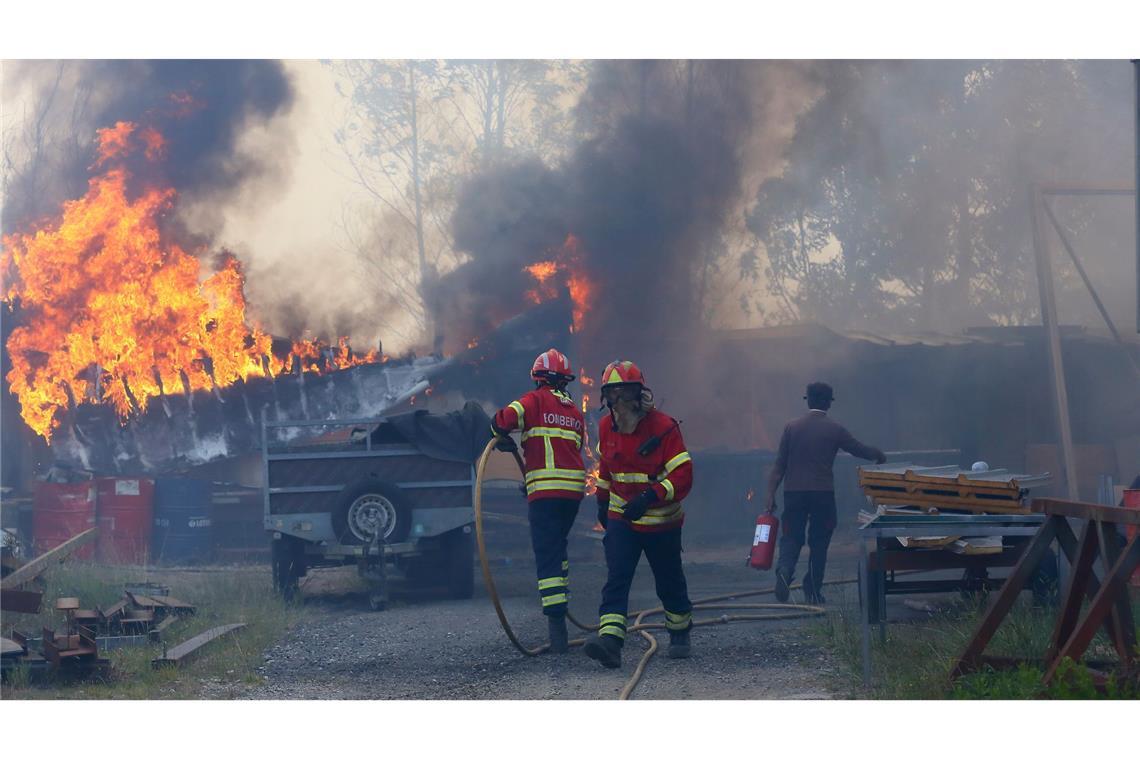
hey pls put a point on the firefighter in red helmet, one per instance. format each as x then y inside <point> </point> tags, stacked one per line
<point>644,473</point>
<point>552,430</point>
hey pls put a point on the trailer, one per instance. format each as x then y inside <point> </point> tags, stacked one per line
<point>392,495</point>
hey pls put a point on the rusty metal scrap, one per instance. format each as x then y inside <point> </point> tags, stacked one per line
<point>184,651</point>
<point>35,567</point>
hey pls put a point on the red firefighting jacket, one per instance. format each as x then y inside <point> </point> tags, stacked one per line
<point>551,427</point>
<point>624,473</point>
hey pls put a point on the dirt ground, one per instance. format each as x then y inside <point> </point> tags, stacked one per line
<point>428,647</point>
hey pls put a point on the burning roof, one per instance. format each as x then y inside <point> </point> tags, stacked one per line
<point>113,311</point>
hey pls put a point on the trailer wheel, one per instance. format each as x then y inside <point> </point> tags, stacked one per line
<point>368,506</point>
<point>459,559</point>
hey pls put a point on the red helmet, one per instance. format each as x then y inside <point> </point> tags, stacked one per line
<point>620,372</point>
<point>552,365</point>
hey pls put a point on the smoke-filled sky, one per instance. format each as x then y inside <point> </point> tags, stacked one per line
<point>280,194</point>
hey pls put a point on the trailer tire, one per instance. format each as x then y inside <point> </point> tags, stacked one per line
<point>369,502</point>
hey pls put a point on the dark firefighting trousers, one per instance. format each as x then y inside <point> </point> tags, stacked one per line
<point>815,512</point>
<point>624,547</point>
<point>550,522</point>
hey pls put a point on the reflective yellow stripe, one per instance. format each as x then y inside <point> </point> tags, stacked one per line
<point>612,617</point>
<point>555,473</point>
<point>519,409</point>
<point>549,432</point>
<point>670,512</point>
<point>554,599</point>
<point>669,492</point>
<point>677,622</point>
<point>556,485</point>
<point>546,583</point>
<point>661,518</point>
<point>629,477</point>
<point>677,461</point>
<point>565,567</point>
<point>549,452</point>
<point>612,630</point>
<point>602,483</point>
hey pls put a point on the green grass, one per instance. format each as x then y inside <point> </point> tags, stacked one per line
<point>916,660</point>
<point>221,669</point>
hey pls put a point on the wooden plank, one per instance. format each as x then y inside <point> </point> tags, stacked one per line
<point>1102,604</point>
<point>1002,602</point>
<point>977,546</point>
<point>34,568</point>
<point>1086,511</point>
<point>926,542</point>
<point>181,653</point>
<point>1075,589</point>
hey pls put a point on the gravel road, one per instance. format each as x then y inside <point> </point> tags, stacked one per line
<point>434,648</point>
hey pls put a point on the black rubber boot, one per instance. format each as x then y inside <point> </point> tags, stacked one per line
<point>559,640</point>
<point>782,583</point>
<point>604,649</point>
<point>679,644</point>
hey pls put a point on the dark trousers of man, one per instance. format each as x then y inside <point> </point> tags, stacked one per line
<point>550,522</point>
<point>624,547</point>
<point>813,511</point>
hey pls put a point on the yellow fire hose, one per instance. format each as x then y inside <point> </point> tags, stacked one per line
<point>782,611</point>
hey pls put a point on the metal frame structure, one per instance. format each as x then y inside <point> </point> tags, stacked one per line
<point>873,568</point>
<point>1109,605</point>
<point>1045,283</point>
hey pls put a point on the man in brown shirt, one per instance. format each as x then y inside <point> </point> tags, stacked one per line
<point>807,452</point>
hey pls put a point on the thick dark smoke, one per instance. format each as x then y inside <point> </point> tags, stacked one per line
<point>644,194</point>
<point>202,108</point>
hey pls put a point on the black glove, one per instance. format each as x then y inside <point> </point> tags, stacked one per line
<point>604,514</point>
<point>507,444</point>
<point>635,510</point>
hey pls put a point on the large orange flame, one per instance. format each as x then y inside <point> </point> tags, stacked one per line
<point>568,261</point>
<point>111,312</point>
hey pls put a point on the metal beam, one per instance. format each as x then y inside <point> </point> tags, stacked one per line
<point>1053,336</point>
<point>1068,245</point>
<point>181,653</point>
<point>29,571</point>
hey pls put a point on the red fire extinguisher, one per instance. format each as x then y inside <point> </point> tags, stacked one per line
<point>764,542</point>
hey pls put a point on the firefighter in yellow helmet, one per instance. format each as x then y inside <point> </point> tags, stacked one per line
<point>644,473</point>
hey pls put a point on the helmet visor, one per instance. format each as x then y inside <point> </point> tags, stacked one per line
<point>621,392</point>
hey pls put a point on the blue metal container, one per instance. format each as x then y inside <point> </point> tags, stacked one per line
<point>183,533</point>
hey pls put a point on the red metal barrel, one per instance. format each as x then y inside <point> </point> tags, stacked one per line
<point>61,511</point>
<point>126,517</point>
<point>1132,501</point>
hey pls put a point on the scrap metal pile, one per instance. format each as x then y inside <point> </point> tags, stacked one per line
<point>140,616</point>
